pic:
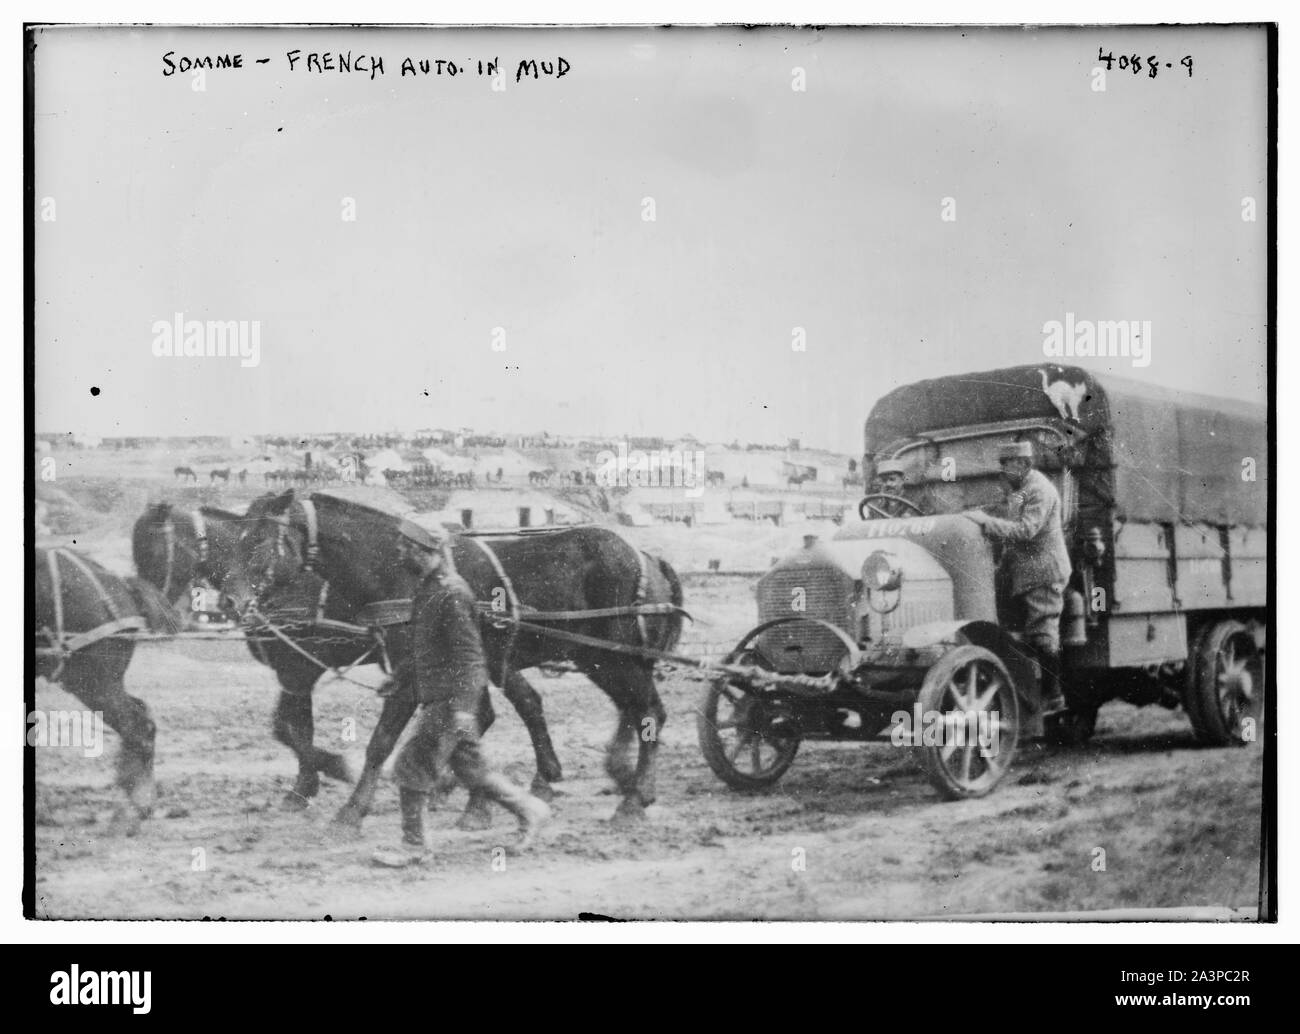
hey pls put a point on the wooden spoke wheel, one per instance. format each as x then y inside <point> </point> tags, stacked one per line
<point>748,739</point>
<point>1224,694</point>
<point>969,706</point>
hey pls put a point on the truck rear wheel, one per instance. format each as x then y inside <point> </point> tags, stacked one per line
<point>969,704</point>
<point>1224,693</point>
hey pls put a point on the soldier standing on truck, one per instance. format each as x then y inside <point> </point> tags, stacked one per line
<point>449,670</point>
<point>1035,558</point>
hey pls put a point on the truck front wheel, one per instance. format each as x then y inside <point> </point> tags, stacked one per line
<point>970,710</point>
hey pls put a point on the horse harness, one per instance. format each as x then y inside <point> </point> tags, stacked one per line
<point>373,619</point>
<point>169,539</point>
<point>62,643</point>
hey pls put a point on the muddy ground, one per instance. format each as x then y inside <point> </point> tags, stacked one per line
<point>853,831</point>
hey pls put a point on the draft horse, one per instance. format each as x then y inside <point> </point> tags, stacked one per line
<point>83,616</point>
<point>542,594</point>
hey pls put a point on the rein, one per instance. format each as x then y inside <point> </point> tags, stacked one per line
<point>374,617</point>
<point>338,673</point>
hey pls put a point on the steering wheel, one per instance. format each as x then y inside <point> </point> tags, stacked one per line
<point>865,505</point>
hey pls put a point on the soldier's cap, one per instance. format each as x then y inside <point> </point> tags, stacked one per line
<point>431,540</point>
<point>1016,451</point>
<point>890,467</point>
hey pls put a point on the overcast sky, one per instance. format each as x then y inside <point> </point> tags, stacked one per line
<point>524,209</point>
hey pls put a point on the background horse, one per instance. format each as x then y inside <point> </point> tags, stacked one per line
<point>586,568</point>
<point>170,553</point>
<point>81,612</point>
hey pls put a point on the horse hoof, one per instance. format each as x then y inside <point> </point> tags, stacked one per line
<point>125,821</point>
<point>143,798</point>
<point>542,790</point>
<point>473,819</point>
<point>551,772</point>
<point>630,813</point>
<point>294,801</point>
<point>344,828</point>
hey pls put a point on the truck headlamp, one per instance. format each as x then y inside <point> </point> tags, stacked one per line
<point>881,572</point>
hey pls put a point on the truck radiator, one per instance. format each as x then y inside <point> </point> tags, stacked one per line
<point>822,592</point>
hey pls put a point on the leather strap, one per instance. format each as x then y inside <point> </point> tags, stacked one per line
<point>84,568</point>
<point>313,534</point>
<point>61,643</point>
<point>169,540</point>
<point>512,631</point>
<point>200,534</point>
<point>643,575</point>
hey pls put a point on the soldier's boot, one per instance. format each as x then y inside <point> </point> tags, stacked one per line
<point>414,847</point>
<point>1051,694</point>
<point>532,813</point>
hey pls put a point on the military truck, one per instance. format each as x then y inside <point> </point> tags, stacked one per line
<point>898,622</point>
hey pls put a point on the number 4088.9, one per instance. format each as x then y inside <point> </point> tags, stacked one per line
<point>1135,63</point>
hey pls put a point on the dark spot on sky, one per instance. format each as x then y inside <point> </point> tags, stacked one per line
<point>280,129</point>
<point>94,391</point>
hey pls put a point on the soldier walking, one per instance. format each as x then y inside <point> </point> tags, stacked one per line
<point>449,670</point>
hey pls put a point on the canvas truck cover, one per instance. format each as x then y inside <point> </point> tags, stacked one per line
<point>1152,453</point>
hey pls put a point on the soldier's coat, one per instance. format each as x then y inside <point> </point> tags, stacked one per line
<point>1036,554</point>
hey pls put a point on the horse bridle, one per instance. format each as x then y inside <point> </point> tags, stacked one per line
<point>169,538</point>
<point>311,550</point>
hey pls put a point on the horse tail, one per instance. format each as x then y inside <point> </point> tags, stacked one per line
<point>153,606</point>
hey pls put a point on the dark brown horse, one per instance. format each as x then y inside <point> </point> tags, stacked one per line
<point>355,547</point>
<point>82,620</point>
<point>175,548</point>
